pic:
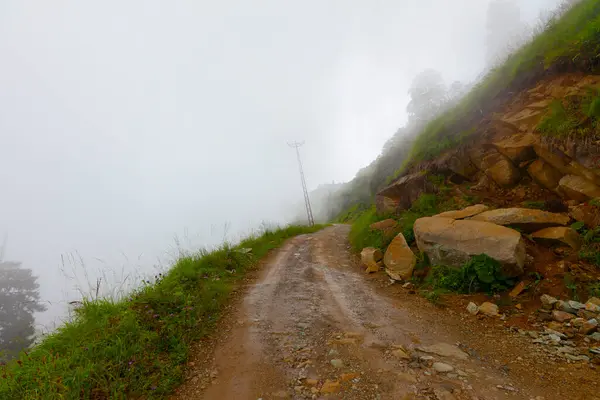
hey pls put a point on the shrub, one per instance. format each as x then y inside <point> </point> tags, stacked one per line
<point>480,274</point>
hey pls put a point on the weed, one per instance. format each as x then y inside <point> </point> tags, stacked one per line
<point>137,347</point>
<point>480,273</point>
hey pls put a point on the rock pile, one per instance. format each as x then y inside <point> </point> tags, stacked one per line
<point>453,237</point>
<point>568,322</point>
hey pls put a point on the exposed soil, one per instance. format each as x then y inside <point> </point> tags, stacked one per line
<point>312,325</point>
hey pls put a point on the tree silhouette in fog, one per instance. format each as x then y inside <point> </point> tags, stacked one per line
<point>19,299</point>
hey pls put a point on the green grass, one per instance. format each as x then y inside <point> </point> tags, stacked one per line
<point>575,38</point>
<point>575,116</point>
<point>480,274</point>
<point>361,235</point>
<point>137,347</point>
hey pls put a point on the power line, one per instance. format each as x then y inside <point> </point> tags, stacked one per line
<point>311,220</point>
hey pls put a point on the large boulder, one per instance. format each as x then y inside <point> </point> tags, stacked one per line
<point>517,148</point>
<point>545,174</point>
<point>586,213</point>
<point>453,242</point>
<point>399,260</point>
<point>565,164</point>
<point>558,235</point>
<point>577,188</point>
<point>529,220</point>
<point>403,192</point>
<point>465,212</point>
<point>500,169</point>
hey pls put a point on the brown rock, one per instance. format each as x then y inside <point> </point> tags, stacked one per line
<point>384,225</point>
<point>556,326</point>
<point>311,382</point>
<point>349,376</point>
<point>330,387</point>
<point>545,174</point>
<point>465,212</point>
<point>400,194</point>
<point>453,242</point>
<point>477,153</point>
<point>589,327</point>
<point>578,188</point>
<point>524,120</point>
<point>371,268</point>
<point>518,148</point>
<point>594,300</point>
<point>370,256</point>
<point>558,235</point>
<point>565,164</point>
<point>529,220</point>
<point>586,314</point>
<point>561,316</point>
<point>586,213</point>
<point>500,169</point>
<point>517,289</point>
<point>489,309</point>
<point>399,260</point>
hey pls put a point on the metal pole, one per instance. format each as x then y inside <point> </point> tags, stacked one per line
<point>309,214</point>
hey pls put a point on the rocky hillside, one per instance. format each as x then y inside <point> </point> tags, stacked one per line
<point>498,201</point>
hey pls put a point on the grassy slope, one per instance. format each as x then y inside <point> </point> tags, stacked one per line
<point>574,39</point>
<point>137,347</point>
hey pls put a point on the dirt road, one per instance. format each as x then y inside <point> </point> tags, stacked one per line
<point>311,326</point>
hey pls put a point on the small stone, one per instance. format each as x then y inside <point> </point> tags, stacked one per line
<point>533,334</point>
<point>595,336</point>
<point>472,308</point>
<point>595,350</point>
<point>548,301</point>
<point>589,327</point>
<point>517,289</point>
<point>337,363</point>
<point>330,387</point>
<point>566,350</point>
<point>592,307</point>
<point>400,353</point>
<point>562,316</point>
<point>575,304</point>
<point>333,352</point>
<point>311,382</point>
<point>442,367</point>
<point>577,358</point>
<point>577,322</point>
<point>594,300</point>
<point>554,338</point>
<point>489,309</point>
<point>407,377</point>
<point>564,306</point>
<point>349,376</point>
<point>408,285</point>
<point>444,350</point>
<point>426,358</point>
<point>519,306</point>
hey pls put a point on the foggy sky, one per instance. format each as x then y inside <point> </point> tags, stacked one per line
<point>124,123</point>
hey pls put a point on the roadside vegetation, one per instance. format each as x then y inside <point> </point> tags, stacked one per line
<point>137,347</point>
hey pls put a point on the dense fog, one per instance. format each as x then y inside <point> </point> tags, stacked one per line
<point>132,131</point>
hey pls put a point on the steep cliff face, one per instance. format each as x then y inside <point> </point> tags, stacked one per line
<point>543,143</point>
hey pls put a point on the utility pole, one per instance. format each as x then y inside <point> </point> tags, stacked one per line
<point>311,221</point>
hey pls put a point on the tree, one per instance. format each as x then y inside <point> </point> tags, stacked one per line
<point>505,30</point>
<point>427,96</point>
<point>19,299</point>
